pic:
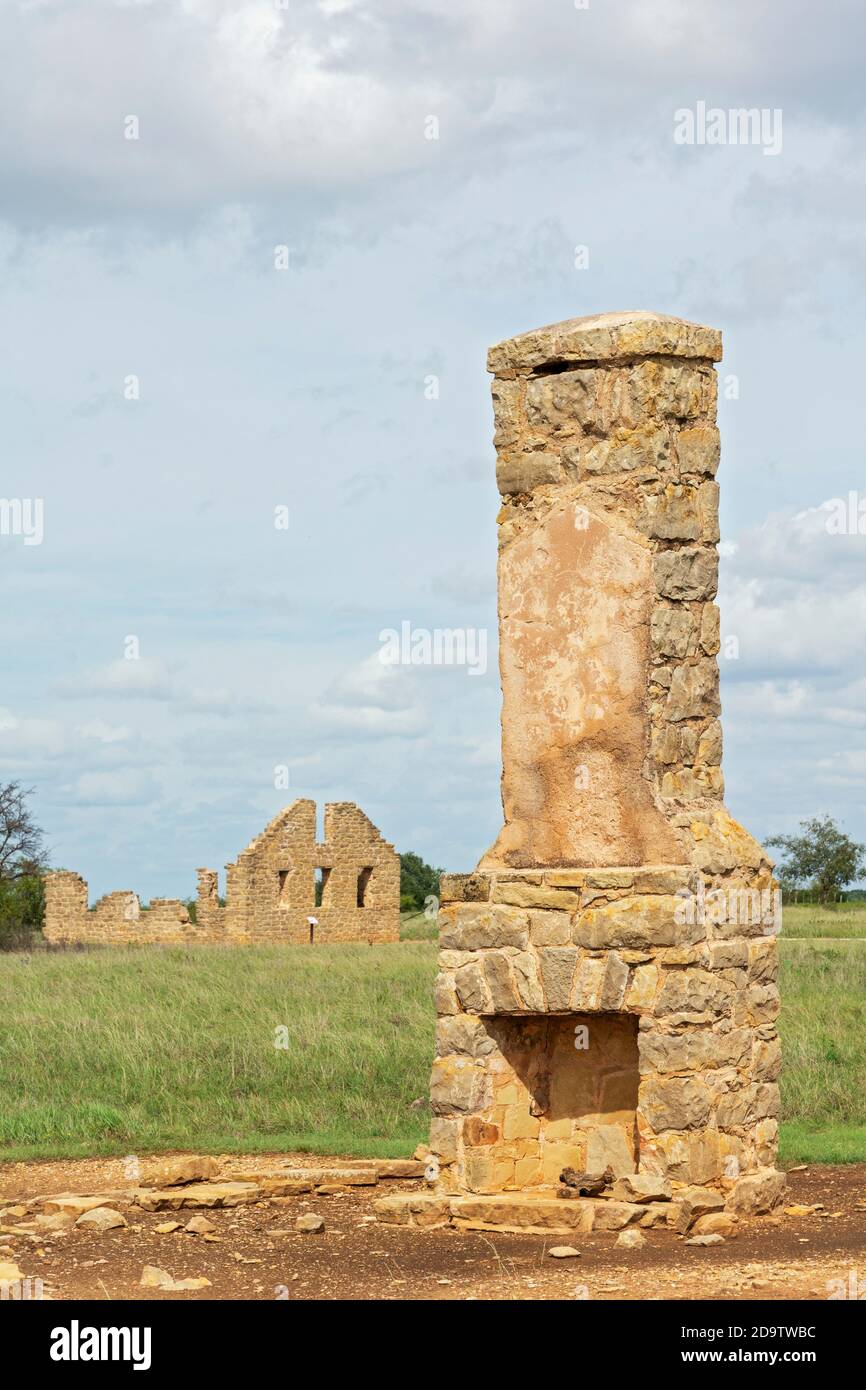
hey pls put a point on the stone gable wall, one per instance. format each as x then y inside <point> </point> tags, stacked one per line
<point>270,892</point>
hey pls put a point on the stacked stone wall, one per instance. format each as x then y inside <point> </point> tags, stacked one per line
<point>270,892</point>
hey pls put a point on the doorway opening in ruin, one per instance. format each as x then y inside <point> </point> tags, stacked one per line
<point>321,886</point>
<point>363,881</point>
<point>568,1097</point>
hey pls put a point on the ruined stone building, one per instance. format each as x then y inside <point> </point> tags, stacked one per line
<point>270,892</point>
<point>607,994</point>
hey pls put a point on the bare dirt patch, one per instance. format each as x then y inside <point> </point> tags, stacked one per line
<point>259,1255</point>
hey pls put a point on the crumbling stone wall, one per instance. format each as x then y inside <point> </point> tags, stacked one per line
<point>619,888</point>
<point>270,893</point>
<point>116,919</point>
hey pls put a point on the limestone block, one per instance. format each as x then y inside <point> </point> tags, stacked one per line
<point>720,844</point>
<point>608,1147</point>
<point>767,1060</point>
<point>464,888</point>
<point>445,995</point>
<point>614,1216</point>
<point>673,629</point>
<point>708,511</point>
<point>636,922</point>
<point>694,995</point>
<point>675,1102</point>
<point>662,390</point>
<point>588,983</point>
<point>444,1134</point>
<point>766,1138</point>
<point>689,573</point>
<point>463,1033</point>
<point>716,1223</point>
<point>694,692</point>
<point>614,983</point>
<point>528,980</point>
<point>757,1193</point>
<point>478,1133</point>
<point>518,1212</point>
<point>531,895</point>
<point>472,990</point>
<point>471,928</point>
<point>507,413</point>
<point>673,514</point>
<point>705,1158</point>
<point>695,1202</point>
<point>764,961</point>
<point>642,990</point>
<point>558,966</point>
<point>698,449</point>
<point>523,471</point>
<point>728,955</point>
<point>641,452</point>
<point>694,1050</point>
<point>764,1004</point>
<point>559,404</point>
<point>710,632</point>
<point>500,982</point>
<point>457,1086</point>
<point>412,1209</point>
<point>641,1187</point>
<point>710,745</point>
<point>547,928</point>
<point>606,338</point>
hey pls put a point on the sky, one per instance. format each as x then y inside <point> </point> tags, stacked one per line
<point>252,254</point>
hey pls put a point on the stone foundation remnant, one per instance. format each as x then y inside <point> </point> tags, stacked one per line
<point>270,892</point>
<point>607,995</point>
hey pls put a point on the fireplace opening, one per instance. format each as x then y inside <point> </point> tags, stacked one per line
<point>566,1097</point>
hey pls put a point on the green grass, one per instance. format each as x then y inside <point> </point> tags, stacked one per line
<point>136,1051</point>
<point>835,919</point>
<point>414,926</point>
<point>823,1031</point>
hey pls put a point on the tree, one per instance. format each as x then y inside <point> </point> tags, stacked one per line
<point>418,881</point>
<point>22,863</point>
<point>21,851</point>
<point>822,856</point>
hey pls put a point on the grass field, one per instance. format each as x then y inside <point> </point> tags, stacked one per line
<point>133,1051</point>
<point>126,1051</point>
<point>836,919</point>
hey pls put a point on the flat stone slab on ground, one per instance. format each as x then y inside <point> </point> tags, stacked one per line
<point>203,1194</point>
<point>525,1213</point>
<point>174,1172</point>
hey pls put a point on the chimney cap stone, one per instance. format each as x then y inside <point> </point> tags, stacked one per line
<point>605,338</point>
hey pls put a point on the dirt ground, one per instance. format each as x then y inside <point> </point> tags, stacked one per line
<point>259,1255</point>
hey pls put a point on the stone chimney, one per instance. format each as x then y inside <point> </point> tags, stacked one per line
<point>607,990</point>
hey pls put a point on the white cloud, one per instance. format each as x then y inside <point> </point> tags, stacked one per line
<point>23,736</point>
<point>102,731</point>
<point>372,698</point>
<point>123,787</point>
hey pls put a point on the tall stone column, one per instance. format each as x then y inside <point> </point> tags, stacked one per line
<point>607,993</point>
<point>607,453</point>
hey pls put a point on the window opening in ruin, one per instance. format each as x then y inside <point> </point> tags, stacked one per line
<point>363,880</point>
<point>322,876</point>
